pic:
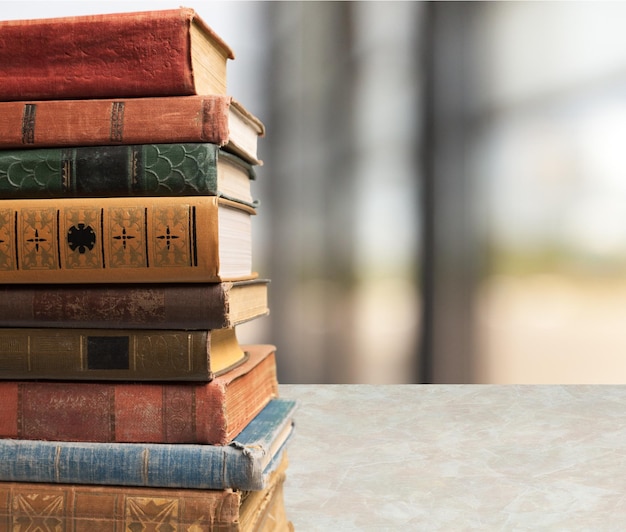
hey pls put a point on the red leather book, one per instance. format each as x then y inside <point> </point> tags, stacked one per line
<point>209,413</point>
<point>151,53</point>
<point>214,119</point>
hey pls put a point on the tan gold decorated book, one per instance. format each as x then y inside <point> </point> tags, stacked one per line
<point>117,354</point>
<point>125,240</point>
<point>91,508</point>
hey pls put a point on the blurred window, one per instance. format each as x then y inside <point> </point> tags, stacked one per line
<point>548,159</point>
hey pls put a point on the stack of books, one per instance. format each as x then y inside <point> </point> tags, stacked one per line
<point>125,268</point>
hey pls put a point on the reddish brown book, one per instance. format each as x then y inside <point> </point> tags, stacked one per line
<point>211,119</point>
<point>188,306</point>
<point>208,413</point>
<point>89,508</point>
<point>150,53</point>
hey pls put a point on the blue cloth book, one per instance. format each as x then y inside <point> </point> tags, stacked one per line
<point>243,464</point>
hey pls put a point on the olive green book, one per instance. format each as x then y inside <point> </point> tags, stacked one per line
<point>117,354</point>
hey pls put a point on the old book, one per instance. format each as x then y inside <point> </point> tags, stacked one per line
<point>189,306</point>
<point>158,412</point>
<point>190,169</point>
<point>245,463</point>
<point>83,508</point>
<point>151,53</point>
<point>125,240</point>
<point>216,119</point>
<point>270,515</point>
<point>117,354</point>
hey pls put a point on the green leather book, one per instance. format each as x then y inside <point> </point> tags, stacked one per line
<point>182,169</point>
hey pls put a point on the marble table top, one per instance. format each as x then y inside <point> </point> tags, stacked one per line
<point>458,457</point>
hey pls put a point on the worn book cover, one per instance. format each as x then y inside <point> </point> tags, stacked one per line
<point>211,118</point>
<point>161,412</point>
<point>125,240</point>
<point>245,463</point>
<point>188,306</point>
<point>149,53</point>
<point>171,169</point>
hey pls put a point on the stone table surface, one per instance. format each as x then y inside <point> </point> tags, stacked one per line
<point>458,457</point>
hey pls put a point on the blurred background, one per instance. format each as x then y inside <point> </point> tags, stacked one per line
<point>443,196</point>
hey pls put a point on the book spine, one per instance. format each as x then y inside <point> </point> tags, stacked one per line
<point>171,466</point>
<point>80,508</point>
<point>187,306</point>
<point>80,354</point>
<point>110,412</point>
<point>101,171</point>
<point>140,55</point>
<point>108,240</point>
<point>58,123</point>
